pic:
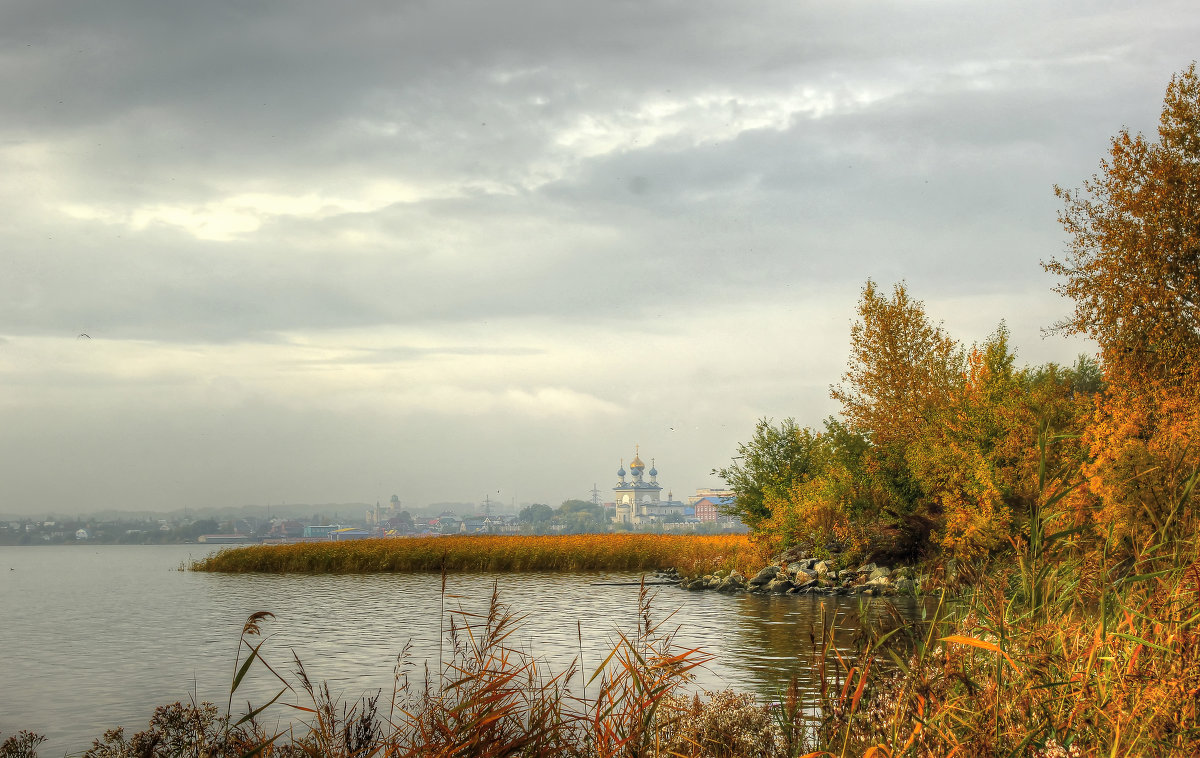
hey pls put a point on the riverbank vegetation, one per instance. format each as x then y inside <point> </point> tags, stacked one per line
<point>577,552</point>
<point>1060,501</point>
<point>950,450</point>
<point>953,452</point>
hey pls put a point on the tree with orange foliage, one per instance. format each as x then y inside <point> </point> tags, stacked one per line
<point>1133,261</point>
<point>1133,270</point>
<point>953,432</point>
<point>901,367</point>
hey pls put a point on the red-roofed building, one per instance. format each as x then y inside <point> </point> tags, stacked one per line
<point>709,508</point>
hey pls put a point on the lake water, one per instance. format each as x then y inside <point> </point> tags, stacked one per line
<point>93,637</point>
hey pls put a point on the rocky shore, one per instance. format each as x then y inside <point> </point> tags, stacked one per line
<point>798,574</point>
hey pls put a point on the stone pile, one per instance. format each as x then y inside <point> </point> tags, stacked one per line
<point>808,576</point>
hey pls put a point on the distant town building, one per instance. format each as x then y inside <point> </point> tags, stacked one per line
<point>348,533</point>
<point>638,501</point>
<point>215,539</point>
<point>473,525</point>
<point>713,505</point>
<point>709,508</point>
<point>446,523</point>
<point>703,492</point>
<point>377,516</point>
<point>287,528</point>
<point>321,530</point>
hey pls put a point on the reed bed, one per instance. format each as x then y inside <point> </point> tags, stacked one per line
<point>580,552</point>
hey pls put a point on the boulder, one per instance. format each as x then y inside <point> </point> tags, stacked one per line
<point>882,571</point>
<point>906,586</point>
<point>866,568</point>
<point>779,586</point>
<point>801,577</point>
<point>764,576</point>
<point>822,567</point>
<point>904,572</point>
<point>793,553</point>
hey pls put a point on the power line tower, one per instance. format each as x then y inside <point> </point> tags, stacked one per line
<point>595,495</point>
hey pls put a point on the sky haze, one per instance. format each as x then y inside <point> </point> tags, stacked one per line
<point>309,252</point>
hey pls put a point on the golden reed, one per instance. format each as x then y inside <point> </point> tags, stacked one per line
<point>691,554</point>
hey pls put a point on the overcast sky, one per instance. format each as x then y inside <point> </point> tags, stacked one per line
<point>332,252</point>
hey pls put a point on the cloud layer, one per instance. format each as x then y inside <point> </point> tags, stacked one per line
<point>449,250</point>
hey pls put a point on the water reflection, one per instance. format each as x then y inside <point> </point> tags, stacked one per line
<point>97,636</point>
<point>772,639</point>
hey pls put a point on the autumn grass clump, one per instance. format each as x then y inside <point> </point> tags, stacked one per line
<point>999,677</point>
<point>578,552</point>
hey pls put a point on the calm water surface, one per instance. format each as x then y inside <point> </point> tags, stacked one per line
<point>93,637</point>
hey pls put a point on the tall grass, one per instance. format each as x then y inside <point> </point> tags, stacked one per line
<point>491,698</point>
<point>996,678</point>
<point>583,552</point>
<point>1070,652</point>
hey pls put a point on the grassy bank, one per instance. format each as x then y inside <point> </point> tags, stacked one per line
<point>581,552</point>
<point>1099,659</point>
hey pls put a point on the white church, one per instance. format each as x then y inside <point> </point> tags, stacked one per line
<point>639,501</point>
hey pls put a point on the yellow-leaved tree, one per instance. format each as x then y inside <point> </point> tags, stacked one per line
<point>903,373</point>
<point>953,458</point>
<point>1132,268</point>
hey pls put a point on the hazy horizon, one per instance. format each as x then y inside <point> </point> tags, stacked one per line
<point>343,510</point>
